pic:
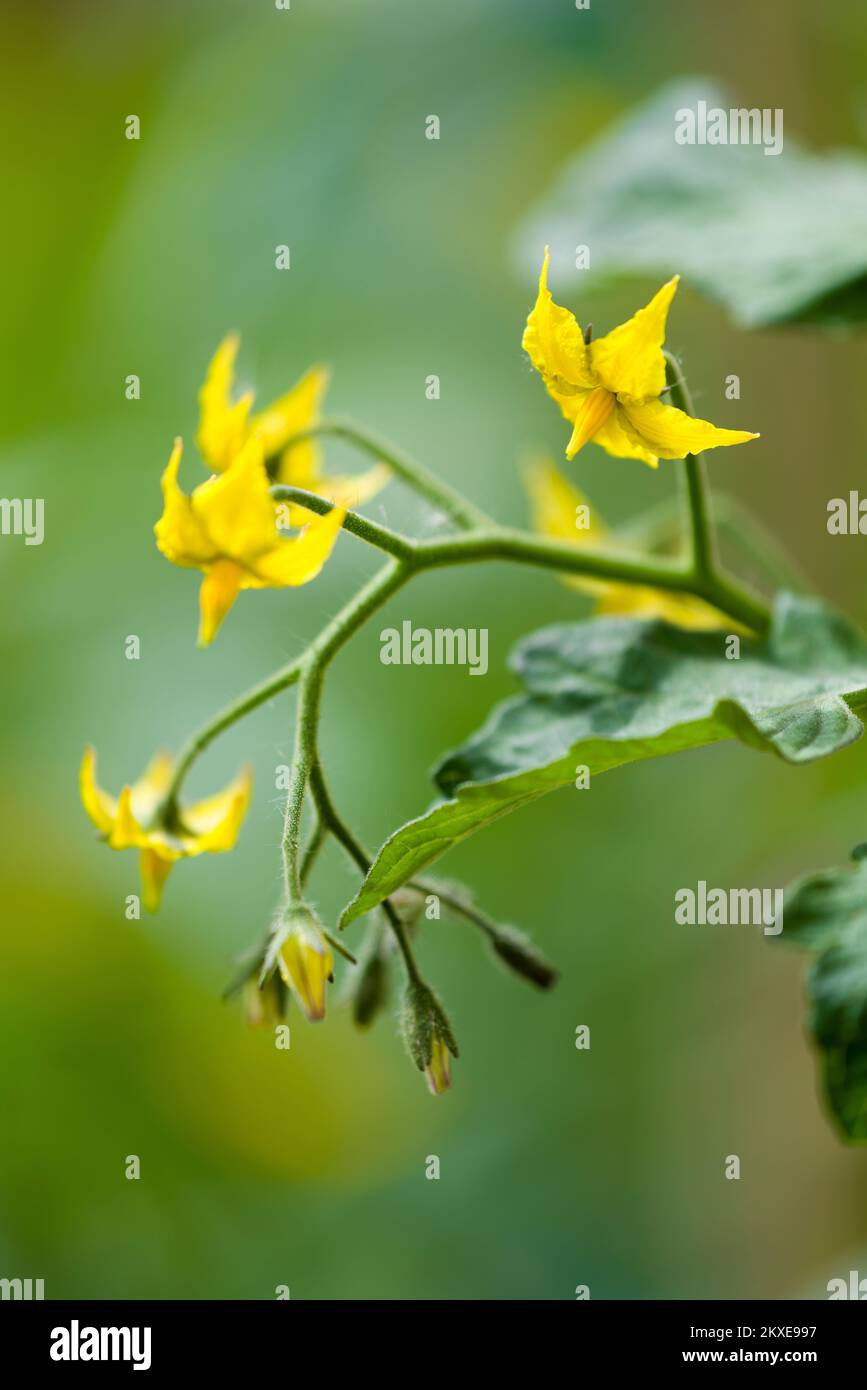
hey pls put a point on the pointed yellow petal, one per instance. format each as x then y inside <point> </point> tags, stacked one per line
<point>153,784</point>
<point>555,504</point>
<point>154,870</point>
<point>215,822</point>
<point>101,807</point>
<point>291,414</point>
<point>670,433</point>
<point>223,426</point>
<point>554,343</point>
<point>236,510</point>
<point>629,359</point>
<point>681,610</point>
<point>126,833</point>
<point>615,440</point>
<point>439,1069</point>
<point>219,590</point>
<point>354,489</point>
<point>592,409</point>
<point>301,466</point>
<point>180,534</point>
<point>298,560</point>
<point>305,962</point>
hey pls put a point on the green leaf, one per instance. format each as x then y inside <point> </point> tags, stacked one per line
<point>715,214</point>
<point>838,1021</point>
<point>827,907</point>
<point>610,691</point>
<point>827,912</point>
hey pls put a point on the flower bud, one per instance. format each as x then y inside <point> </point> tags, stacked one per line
<point>264,1004</point>
<point>303,957</point>
<point>518,952</point>
<point>428,1035</point>
<point>370,992</point>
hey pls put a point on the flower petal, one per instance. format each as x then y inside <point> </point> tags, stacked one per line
<point>154,868</point>
<point>591,412</point>
<point>291,414</point>
<point>299,559</point>
<point>554,343</point>
<point>219,590</point>
<point>613,438</point>
<point>236,509</point>
<point>101,807</point>
<point>629,359</point>
<point>153,784</point>
<point>555,502</point>
<point>215,822</point>
<point>681,610</point>
<point>180,534</point>
<point>223,426</point>
<point>127,833</point>
<point>439,1069</point>
<point>305,963</point>
<point>670,433</point>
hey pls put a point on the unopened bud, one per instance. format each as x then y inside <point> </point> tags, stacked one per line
<point>428,1035</point>
<point>264,1005</point>
<point>301,953</point>
<point>518,952</point>
<point>370,992</point>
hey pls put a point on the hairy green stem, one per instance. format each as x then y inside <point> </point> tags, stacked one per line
<point>306,726</point>
<point>312,850</point>
<point>356,524</point>
<point>333,821</point>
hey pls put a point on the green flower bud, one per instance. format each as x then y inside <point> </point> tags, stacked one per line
<point>428,1035</point>
<point>370,990</point>
<point>518,952</point>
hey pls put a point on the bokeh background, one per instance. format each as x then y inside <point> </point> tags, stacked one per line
<point>261,1168</point>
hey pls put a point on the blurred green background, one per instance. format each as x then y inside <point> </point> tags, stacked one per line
<point>259,1167</point>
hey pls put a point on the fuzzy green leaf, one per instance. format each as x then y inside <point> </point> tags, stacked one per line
<point>827,912</point>
<point>611,691</point>
<point>647,205</point>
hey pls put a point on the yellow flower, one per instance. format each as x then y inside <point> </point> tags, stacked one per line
<point>225,426</point>
<point>228,529</point>
<point>609,389</point>
<point>555,504</point>
<point>132,821</point>
<point>305,961</point>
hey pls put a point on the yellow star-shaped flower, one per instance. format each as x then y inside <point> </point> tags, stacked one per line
<point>555,507</point>
<point>609,389</point>
<point>226,425</point>
<point>228,529</point>
<point>132,820</point>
